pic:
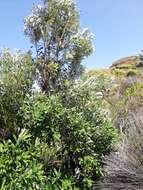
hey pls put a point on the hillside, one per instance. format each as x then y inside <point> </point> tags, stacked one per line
<point>126,62</point>
<point>126,66</point>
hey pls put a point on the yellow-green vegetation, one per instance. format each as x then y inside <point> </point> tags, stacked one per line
<point>128,66</point>
<point>99,73</point>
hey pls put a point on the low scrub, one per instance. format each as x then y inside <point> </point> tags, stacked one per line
<point>124,169</point>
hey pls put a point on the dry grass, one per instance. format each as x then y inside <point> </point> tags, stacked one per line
<point>124,169</point>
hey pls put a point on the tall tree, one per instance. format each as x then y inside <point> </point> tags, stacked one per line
<point>54,29</point>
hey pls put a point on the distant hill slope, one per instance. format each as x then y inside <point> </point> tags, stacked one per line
<point>126,62</point>
<point>127,66</point>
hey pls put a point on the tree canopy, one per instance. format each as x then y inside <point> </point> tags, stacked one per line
<point>60,44</point>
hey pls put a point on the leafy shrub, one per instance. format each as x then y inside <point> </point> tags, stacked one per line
<point>77,131</point>
<point>16,80</point>
<point>19,166</point>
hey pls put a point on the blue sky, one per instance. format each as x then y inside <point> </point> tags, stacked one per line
<point>117,25</point>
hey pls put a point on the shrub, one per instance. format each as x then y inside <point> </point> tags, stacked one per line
<point>16,80</point>
<point>19,166</point>
<point>77,131</point>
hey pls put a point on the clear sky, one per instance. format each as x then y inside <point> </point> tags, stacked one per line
<point>117,25</point>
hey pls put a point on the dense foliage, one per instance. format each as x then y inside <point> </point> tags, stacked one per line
<point>78,132</point>
<point>19,166</point>
<point>16,79</point>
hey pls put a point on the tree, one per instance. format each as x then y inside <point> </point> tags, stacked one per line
<point>54,29</point>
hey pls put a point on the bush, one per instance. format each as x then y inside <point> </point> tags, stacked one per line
<point>16,80</point>
<point>19,166</point>
<point>77,132</point>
